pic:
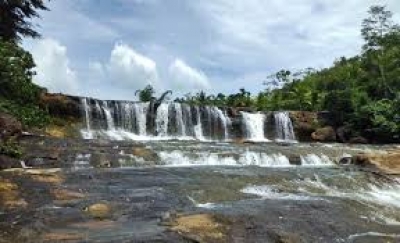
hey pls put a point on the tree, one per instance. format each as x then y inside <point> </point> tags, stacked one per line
<point>16,71</point>
<point>376,26</point>
<point>374,30</point>
<point>14,15</point>
<point>146,94</point>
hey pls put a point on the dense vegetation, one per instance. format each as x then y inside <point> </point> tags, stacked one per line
<point>19,96</point>
<point>363,92</point>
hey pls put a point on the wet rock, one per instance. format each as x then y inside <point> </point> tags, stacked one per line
<point>344,133</point>
<point>388,163</point>
<point>7,162</point>
<point>99,211</point>
<point>9,127</point>
<point>10,196</point>
<point>304,124</point>
<point>201,228</point>
<point>284,237</point>
<point>63,237</point>
<point>146,154</point>
<point>105,160</point>
<point>294,159</point>
<point>358,140</point>
<point>326,134</point>
<point>66,195</point>
<point>346,160</point>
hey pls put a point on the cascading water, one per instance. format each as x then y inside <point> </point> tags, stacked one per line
<point>162,120</point>
<point>141,119</point>
<point>88,133</point>
<point>224,121</point>
<point>122,120</point>
<point>179,119</point>
<point>254,126</point>
<point>198,128</point>
<point>284,126</point>
<point>109,118</point>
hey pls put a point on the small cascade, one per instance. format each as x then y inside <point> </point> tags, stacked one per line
<point>284,126</point>
<point>180,158</point>
<point>315,160</point>
<point>109,117</point>
<point>179,119</point>
<point>86,108</point>
<point>254,126</point>
<point>141,118</point>
<point>225,121</point>
<point>198,128</point>
<point>162,120</point>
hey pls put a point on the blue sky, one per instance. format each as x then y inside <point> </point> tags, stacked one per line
<point>108,49</point>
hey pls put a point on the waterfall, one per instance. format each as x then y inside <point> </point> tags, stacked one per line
<point>254,126</point>
<point>198,128</point>
<point>179,119</point>
<point>121,120</point>
<point>109,118</point>
<point>284,126</point>
<point>224,121</point>
<point>162,120</point>
<point>86,108</point>
<point>141,117</point>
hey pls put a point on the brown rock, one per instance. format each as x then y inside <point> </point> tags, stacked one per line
<point>388,163</point>
<point>326,134</point>
<point>7,162</point>
<point>9,127</point>
<point>201,228</point>
<point>146,154</point>
<point>10,196</point>
<point>99,211</point>
<point>66,195</point>
<point>358,140</point>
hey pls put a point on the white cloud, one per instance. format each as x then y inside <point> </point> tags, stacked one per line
<point>184,77</point>
<point>128,68</point>
<point>53,68</point>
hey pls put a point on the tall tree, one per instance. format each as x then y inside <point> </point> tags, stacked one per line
<point>15,18</point>
<point>375,28</point>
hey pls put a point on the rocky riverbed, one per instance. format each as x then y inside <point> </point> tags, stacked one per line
<point>188,191</point>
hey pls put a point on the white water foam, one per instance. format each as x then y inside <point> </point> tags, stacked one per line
<point>179,158</point>
<point>284,127</point>
<point>315,160</point>
<point>269,192</point>
<point>254,126</point>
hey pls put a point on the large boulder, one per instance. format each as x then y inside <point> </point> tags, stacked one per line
<point>326,134</point>
<point>146,154</point>
<point>304,124</point>
<point>388,163</point>
<point>9,127</point>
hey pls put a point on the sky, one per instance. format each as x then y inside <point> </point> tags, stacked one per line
<point>109,49</point>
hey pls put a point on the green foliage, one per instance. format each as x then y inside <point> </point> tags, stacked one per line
<point>146,94</point>
<point>11,148</point>
<point>14,22</point>
<point>18,94</point>
<point>16,71</point>
<point>29,115</point>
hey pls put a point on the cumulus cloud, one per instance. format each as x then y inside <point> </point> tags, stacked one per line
<point>53,67</point>
<point>128,68</point>
<point>184,77</point>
